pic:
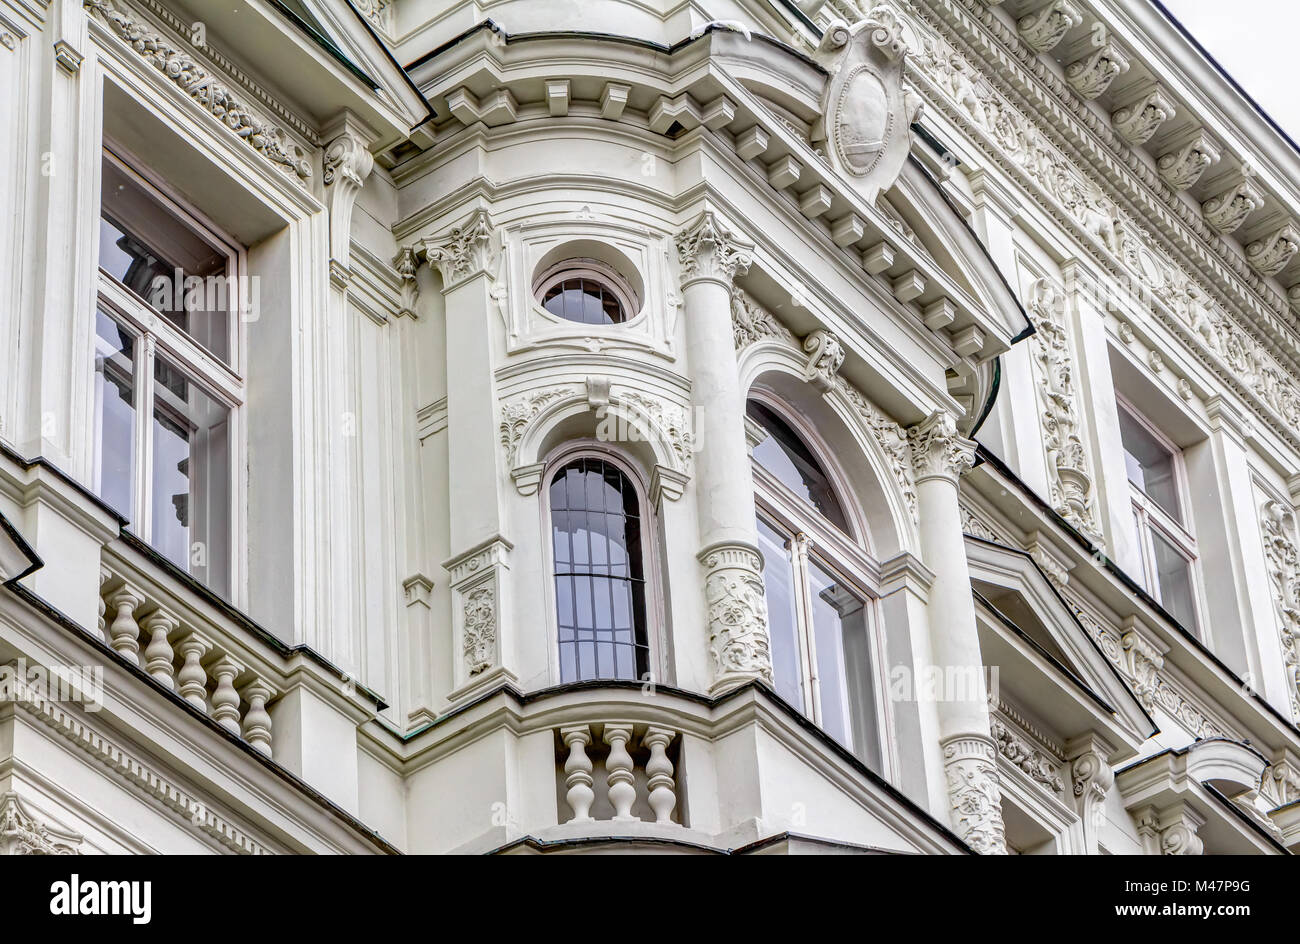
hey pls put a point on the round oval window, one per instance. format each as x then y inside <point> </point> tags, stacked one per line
<point>585,295</point>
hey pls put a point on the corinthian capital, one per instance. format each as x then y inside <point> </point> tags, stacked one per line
<point>466,251</point>
<point>708,250</point>
<point>938,451</point>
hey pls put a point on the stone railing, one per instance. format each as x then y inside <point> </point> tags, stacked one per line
<point>618,771</point>
<point>200,663</point>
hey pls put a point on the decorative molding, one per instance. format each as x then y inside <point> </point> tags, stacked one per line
<point>1270,254</point>
<point>1237,358</point>
<point>1182,166</point>
<point>1068,466</point>
<point>21,833</point>
<point>1277,525</point>
<point>479,637</point>
<point>825,355</point>
<point>213,96</point>
<point>1031,761</point>
<point>380,15</point>
<point>516,414</point>
<point>463,253</point>
<point>1047,26</point>
<point>1228,209</point>
<point>707,249</point>
<point>974,792</point>
<point>1092,74</point>
<point>938,451</point>
<point>1138,121</point>
<point>737,615</point>
<point>69,59</point>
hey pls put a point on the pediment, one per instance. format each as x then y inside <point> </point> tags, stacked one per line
<point>1042,624</point>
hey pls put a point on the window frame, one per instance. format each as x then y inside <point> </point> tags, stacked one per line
<point>593,270</point>
<point>154,335</point>
<point>1150,517</point>
<point>655,613</point>
<point>814,538</point>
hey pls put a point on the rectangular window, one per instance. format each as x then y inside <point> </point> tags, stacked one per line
<point>1165,541</point>
<point>166,395</point>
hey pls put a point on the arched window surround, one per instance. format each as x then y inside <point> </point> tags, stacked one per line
<point>655,610</point>
<point>816,545</point>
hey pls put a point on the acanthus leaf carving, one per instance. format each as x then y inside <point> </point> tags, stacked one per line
<point>466,251</point>
<point>1092,74</point>
<point>21,833</point>
<point>938,451</point>
<point>707,249</point>
<point>1047,26</point>
<point>1033,762</point>
<point>1228,209</point>
<point>1270,254</point>
<point>1136,123</point>
<point>1277,524</point>
<point>825,355</point>
<point>1184,164</point>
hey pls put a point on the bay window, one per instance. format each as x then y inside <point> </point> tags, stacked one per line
<point>815,575</point>
<point>166,394</point>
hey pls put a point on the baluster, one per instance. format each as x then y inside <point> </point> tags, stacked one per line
<point>257,720</point>
<point>225,700</point>
<point>577,772</point>
<point>105,575</point>
<point>659,770</point>
<point>125,631</point>
<point>618,770</point>
<point>158,654</point>
<point>193,680</point>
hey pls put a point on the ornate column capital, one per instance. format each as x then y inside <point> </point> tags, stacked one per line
<point>975,792</point>
<point>707,249</point>
<point>938,451</point>
<point>463,253</point>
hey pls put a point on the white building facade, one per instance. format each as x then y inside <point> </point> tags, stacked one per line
<point>481,426</point>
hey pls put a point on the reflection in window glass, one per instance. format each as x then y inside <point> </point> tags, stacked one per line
<point>599,575</point>
<point>782,622</point>
<point>114,415</point>
<point>1174,580</point>
<point>786,456</point>
<point>190,476</point>
<point>584,300</point>
<point>843,662</point>
<point>1150,465</point>
<point>147,248</point>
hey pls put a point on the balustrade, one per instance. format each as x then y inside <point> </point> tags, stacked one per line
<point>631,780</point>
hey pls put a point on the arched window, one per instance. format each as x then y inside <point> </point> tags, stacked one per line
<point>600,595</point>
<point>586,291</point>
<point>820,616</point>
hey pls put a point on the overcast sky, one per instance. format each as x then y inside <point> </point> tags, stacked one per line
<point>1255,41</point>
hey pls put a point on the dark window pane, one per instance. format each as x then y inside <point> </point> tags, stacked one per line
<point>115,415</point>
<point>584,300</point>
<point>786,456</point>
<point>600,594</point>
<point>1174,577</point>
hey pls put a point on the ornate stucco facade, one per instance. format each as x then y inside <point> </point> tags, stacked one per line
<point>495,426</point>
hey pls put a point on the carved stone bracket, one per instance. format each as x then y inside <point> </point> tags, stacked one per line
<point>1228,209</point>
<point>1047,26</point>
<point>1137,121</point>
<point>825,355</point>
<point>1182,165</point>
<point>347,164</point>
<point>1092,74</point>
<point>1270,254</point>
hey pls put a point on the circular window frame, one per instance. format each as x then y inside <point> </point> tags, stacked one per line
<point>593,270</point>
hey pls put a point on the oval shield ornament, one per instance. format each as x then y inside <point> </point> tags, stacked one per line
<point>863,121</point>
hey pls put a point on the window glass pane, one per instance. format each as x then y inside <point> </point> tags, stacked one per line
<point>191,476</point>
<point>147,248</point>
<point>115,415</point>
<point>1174,577</point>
<point>599,576</point>
<point>786,456</point>
<point>1150,465</point>
<point>844,679</point>
<point>584,300</point>
<point>782,625</point>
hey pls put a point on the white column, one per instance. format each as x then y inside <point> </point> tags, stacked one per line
<point>711,256</point>
<point>940,455</point>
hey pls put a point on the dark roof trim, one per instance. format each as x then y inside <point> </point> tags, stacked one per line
<point>34,560</point>
<point>308,25</point>
<point>430,112</point>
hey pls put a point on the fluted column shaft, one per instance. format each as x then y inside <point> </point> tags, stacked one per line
<point>940,455</point>
<point>711,256</point>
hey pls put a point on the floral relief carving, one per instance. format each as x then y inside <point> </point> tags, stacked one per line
<point>1228,209</point>
<point>21,833</point>
<point>825,355</point>
<point>974,793</point>
<point>751,322</point>
<point>737,612</point>
<point>1136,123</point>
<point>479,641</point>
<point>1277,524</point>
<point>1030,760</point>
<point>1067,460</point>
<point>937,449</point>
<point>201,86</point>
<point>671,420</point>
<point>518,413</point>
<point>467,250</point>
<point>707,249</point>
